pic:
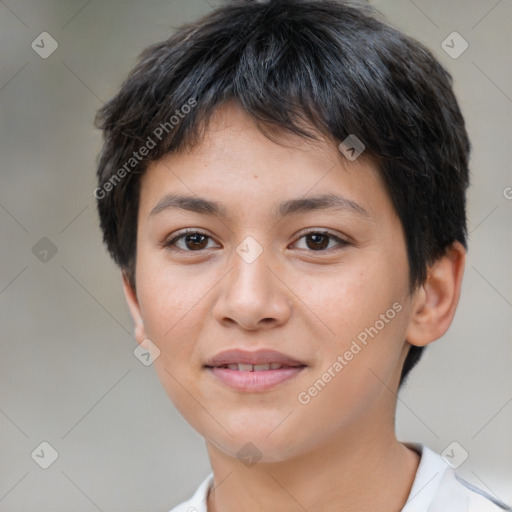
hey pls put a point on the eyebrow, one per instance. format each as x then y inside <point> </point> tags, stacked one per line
<point>289,207</point>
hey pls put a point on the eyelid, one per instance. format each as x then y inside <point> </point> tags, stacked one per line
<point>322,231</point>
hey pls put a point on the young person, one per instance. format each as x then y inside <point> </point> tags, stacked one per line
<point>282,184</point>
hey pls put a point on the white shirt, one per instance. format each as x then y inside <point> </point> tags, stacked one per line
<point>436,488</point>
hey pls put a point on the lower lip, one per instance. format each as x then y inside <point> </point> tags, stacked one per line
<point>255,381</point>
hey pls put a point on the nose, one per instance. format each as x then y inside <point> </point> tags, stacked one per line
<point>252,296</point>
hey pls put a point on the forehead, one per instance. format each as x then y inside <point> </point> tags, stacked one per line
<point>236,162</point>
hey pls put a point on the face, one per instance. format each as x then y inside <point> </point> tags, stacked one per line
<point>276,267</point>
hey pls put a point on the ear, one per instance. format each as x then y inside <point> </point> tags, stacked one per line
<point>436,300</point>
<point>133,305</point>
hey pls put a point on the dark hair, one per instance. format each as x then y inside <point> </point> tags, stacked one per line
<point>334,66</point>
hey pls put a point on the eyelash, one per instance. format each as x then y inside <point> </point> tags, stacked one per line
<point>341,243</point>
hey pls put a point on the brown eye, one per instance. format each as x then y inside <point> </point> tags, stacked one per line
<point>321,241</point>
<point>191,241</point>
<point>195,242</point>
<point>318,241</point>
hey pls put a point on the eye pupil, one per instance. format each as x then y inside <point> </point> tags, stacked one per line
<point>320,241</point>
<point>197,240</point>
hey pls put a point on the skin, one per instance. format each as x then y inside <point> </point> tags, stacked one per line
<point>338,452</point>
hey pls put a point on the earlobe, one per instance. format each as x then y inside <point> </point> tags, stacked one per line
<point>436,300</point>
<point>133,305</point>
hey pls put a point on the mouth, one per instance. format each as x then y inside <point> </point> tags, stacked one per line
<point>241,367</point>
<point>253,371</point>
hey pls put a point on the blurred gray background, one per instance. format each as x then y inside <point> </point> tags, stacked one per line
<point>68,375</point>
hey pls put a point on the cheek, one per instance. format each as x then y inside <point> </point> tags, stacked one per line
<point>362,315</point>
<point>352,298</point>
<point>356,368</point>
<point>168,293</point>
<point>172,322</point>
<point>170,303</point>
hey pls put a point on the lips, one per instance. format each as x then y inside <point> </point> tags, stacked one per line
<point>258,360</point>
<point>253,367</point>
<point>255,371</point>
